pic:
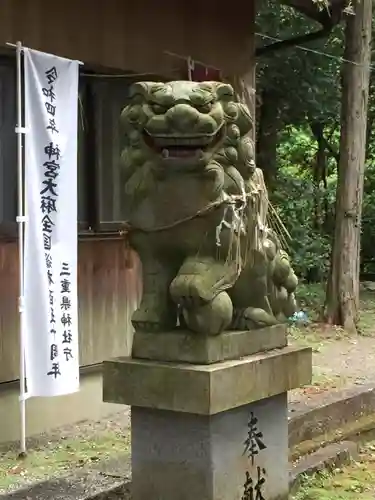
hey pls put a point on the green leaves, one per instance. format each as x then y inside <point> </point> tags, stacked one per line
<point>305,81</point>
<point>302,205</point>
<point>301,86</point>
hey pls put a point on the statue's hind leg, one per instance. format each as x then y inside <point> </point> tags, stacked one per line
<point>252,308</point>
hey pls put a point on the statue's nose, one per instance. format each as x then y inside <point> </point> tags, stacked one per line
<point>182,117</point>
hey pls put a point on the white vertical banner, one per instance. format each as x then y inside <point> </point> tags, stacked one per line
<point>50,264</point>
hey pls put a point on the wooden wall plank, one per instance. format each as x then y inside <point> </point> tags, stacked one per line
<point>108,293</point>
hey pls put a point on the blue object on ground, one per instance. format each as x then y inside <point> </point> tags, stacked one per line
<point>299,317</point>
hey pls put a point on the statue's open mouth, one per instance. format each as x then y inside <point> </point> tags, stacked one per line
<point>186,146</point>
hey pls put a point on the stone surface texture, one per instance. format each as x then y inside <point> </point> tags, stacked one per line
<point>197,212</point>
<point>190,424</point>
<point>205,389</point>
<point>184,456</point>
<point>330,411</point>
<point>188,347</point>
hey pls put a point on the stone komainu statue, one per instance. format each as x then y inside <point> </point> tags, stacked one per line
<point>197,212</point>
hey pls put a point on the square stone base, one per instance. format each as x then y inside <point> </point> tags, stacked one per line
<point>209,432</point>
<point>205,389</point>
<point>189,347</point>
<point>218,457</point>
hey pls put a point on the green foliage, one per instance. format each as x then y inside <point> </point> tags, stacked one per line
<point>310,247</point>
<point>295,199</point>
<point>302,83</point>
<point>302,88</point>
<point>355,481</point>
<point>307,210</point>
<point>368,221</point>
<point>310,297</point>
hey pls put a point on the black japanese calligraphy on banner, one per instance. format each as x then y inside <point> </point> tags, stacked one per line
<point>65,306</point>
<point>49,205</point>
<point>51,105</point>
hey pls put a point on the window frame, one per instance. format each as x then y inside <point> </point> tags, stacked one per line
<point>90,175</point>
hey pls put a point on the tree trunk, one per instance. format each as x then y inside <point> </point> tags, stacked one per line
<point>342,299</point>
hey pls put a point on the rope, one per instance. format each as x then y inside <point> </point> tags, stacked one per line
<point>228,200</point>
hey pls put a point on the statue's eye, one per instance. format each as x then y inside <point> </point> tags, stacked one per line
<point>157,109</point>
<point>205,108</point>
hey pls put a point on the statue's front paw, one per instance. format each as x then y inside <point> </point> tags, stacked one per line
<point>212,318</point>
<point>147,320</point>
<point>189,291</point>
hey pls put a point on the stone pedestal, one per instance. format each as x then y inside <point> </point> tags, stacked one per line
<point>214,431</point>
<point>186,347</point>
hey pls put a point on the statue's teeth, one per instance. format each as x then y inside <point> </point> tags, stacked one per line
<point>165,153</point>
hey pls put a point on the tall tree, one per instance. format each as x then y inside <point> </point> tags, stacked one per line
<point>342,299</point>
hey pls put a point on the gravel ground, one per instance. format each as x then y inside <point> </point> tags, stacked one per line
<point>341,363</point>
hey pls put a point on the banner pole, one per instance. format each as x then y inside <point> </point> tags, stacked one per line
<point>21,221</point>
